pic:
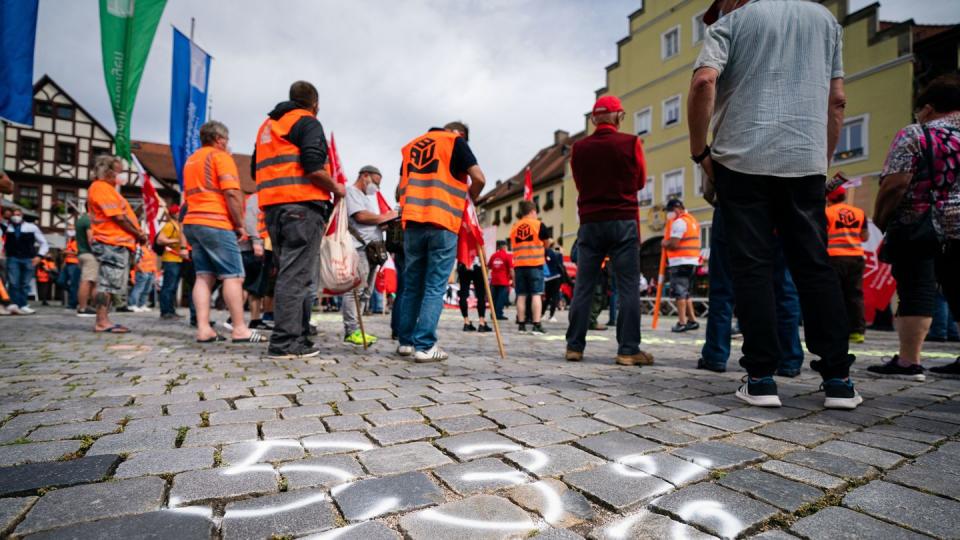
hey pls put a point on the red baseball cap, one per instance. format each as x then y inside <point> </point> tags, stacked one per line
<point>607,104</point>
<point>837,194</point>
<point>175,209</point>
<point>713,13</point>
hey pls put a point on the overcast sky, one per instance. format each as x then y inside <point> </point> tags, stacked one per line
<point>515,70</point>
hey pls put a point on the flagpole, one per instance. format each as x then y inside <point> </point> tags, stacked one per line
<point>493,311</point>
<point>660,276</point>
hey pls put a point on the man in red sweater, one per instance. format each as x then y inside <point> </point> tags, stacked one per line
<point>609,170</point>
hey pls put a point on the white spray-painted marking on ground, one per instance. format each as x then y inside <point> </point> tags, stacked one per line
<point>338,445</point>
<point>433,515</point>
<point>260,512</point>
<point>729,526</point>
<point>486,447</point>
<point>382,507</point>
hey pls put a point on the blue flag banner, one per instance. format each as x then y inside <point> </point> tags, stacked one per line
<point>188,99</point>
<point>18,31</point>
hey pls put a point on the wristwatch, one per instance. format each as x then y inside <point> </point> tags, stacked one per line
<point>703,155</point>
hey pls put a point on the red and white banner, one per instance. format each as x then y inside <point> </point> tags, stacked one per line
<point>470,235</point>
<point>151,201</point>
<point>527,185</point>
<point>878,282</point>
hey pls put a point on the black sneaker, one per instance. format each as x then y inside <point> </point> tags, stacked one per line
<point>538,330</point>
<point>677,328</point>
<point>761,392</point>
<point>124,309</point>
<point>300,352</point>
<point>949,371</point>
<point>894,370</point>
<point>703,364</point>
<point>484,328</point>
<point>522,328</point>
<point>840,394</point>
<point>469,327</point>
<point>693,325</point>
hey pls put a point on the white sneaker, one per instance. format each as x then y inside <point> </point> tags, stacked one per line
<point>136,309</point>
<point>27,310</point>
<point>227,325</point>
<point>146,309</point>
<point>405,350</point>
<point>434,354</point>
<point>552,319</point>
<point>13,309</point>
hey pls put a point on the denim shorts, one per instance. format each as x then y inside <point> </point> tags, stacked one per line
<point>528,280</point>
<point>214,251</point>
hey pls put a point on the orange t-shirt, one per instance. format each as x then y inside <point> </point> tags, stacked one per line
<point>148,262</point>
<point>206,175</point>
<point>105,203</point>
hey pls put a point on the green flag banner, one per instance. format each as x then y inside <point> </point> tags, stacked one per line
<point>126,32</point>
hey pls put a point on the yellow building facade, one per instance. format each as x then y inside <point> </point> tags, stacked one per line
<point>652,78</point>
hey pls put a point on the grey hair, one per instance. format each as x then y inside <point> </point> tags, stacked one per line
<point>103,165</point>
<point>211,130</point>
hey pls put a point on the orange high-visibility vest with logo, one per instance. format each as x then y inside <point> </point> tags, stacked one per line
<point>844,225</point>
<point>207,173</point>
<point>689,245</point>
<point>429,193</point>
<point>70,252</point>
<point>527,246</point>
<point>280,177</point>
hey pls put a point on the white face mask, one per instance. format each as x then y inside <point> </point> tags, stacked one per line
<point>71,234</point>
<point>372,189</point>
<point>16,219</point>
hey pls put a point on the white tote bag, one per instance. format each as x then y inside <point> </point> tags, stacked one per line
<point>339,265</point>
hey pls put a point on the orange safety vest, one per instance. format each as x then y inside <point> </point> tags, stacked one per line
<point>527,246</point>
<point>280,177</point>
<point>689,245</point>
<point>70,252</point>
<point>429,193</point>
<point>43,270</point>
<point>206,203</point>
<point>844,225</point>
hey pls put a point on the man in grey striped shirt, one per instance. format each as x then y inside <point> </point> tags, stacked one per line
<point>770,74</point>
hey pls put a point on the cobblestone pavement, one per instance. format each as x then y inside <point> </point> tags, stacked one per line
<point>151,435</point>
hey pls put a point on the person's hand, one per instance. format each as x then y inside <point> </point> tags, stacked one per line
<point>258,250</point>
<point>707,165</point>
<point>340,190</point>
<point>35,261</point>
<point>142,239</point>
<point>391,214</point>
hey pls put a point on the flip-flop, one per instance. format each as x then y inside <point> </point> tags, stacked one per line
<point>115,329</point>
<point>215,339</point>
<point>255,337</point>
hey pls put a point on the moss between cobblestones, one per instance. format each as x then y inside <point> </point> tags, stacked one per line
<point>204,419</point>
<point>181,435</point>
<point>217,457</point>
<point>86,441</point>
<point>18,440</point>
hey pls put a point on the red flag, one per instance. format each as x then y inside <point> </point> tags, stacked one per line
<point>382,204</point>
<point>470,236</point>
<point>527,185</point>
<point>878,282</point>
<point>151,201</point>
<point>336,171</point>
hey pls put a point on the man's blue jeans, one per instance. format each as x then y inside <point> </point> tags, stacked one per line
<point>501,295</point>
<point>399,261</point>
<point>943,325</point>
<point>168,290</point>
<point>20,272</point>
<point>430,254</point>
<point>716,350</point>
<point>69,280</point>
<point>141,289</point>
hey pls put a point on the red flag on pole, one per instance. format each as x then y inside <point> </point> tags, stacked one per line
<point>470,236</point>
<point>382,204</point>
<point>335,168</point>
<point>151,201</point>
<point>527,185</point>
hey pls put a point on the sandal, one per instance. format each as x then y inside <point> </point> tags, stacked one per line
<point>215,339</point>
<point>115,329</point>
<point>255,337</point>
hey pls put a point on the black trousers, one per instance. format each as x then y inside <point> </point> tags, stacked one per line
<point>850,272</point>
<point>551,293</point>
<point>756,210</point>
<point>475,276</point>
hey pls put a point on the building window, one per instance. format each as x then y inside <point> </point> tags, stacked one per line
<point>507,216</point>
<point>62,201</point>
<point>671,111</point>
<point>536,202</point>
<point>705,234</point>
<point>29,148</point>
<point>95,152</point>
<point>645,195</point>
<point>549,204</point>
<point>42,108</point>
<point>65,112</point>
<point>642,121</point>
<point>697,179</point>
<point>28,196</point>
<point>670,43</point>
<point>673,185</point>
<point>852,144</point>
<point>496,217</point>
<point>699,29</point>
<point>66,153</point>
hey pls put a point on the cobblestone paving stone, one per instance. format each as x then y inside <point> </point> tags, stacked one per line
<point>106,436</point>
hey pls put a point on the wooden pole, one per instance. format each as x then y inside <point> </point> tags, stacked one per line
<point>363,333</point>
<point>660,277</point>
<point>493,312</point>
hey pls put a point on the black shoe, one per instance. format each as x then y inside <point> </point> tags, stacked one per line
<point>169,317</point>
<point>538,330</point>
<point>894,370</point>
<point>300,352</point>
<point>503,318</point>
<point>312,330</point>
<point>693,325</point>
<point>702,364</point>
<point>522,328</point>
<point>935,339</point>
<point>484,328</point>
<point>761,392</point>
<point>949,371</point>
<point>124,309</point>
<point>840,394</point>
<point>679,328</point>
<point>469,327</point>
<point>258,324</point>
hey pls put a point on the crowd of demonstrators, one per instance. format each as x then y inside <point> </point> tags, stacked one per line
<point>24,247</point>
<point>608,169</point>
<point>116,234</point>
<point>295,192</point>
<point>527,238</point>
<point>467,276</point>
<point>170,241</point>
<point>681,241</point>
<point>847,230</point>
<point>919,208</point>
<point>769,160</point>
<point>365,221</point>
<point>501,276</point>
<point>433,190</point>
